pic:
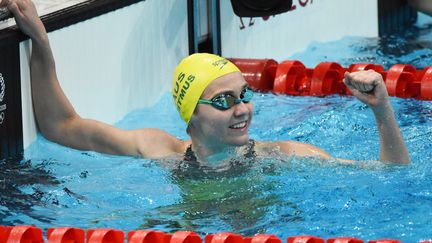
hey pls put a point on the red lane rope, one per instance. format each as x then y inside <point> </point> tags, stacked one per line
<point>293,78</point>
<point>32,234</point>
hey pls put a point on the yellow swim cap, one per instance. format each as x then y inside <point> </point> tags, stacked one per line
<point>192,76</point>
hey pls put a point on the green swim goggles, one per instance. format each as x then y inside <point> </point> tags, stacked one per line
<point>226,101</point>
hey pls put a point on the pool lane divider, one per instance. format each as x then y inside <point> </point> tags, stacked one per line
<point>32,234</point>
<point>292,77</point>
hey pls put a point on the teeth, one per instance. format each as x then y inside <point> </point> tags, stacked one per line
<point>239,125</point>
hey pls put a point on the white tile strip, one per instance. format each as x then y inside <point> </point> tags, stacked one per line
<point>44,7</point>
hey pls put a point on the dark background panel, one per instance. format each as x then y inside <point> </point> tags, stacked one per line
<point>11,145</point>
<point>394,16</point>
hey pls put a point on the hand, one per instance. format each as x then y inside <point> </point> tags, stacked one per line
<point>26,17</point>
<point>369,87</point>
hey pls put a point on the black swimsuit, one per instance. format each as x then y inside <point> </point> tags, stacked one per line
<point>190,167</point>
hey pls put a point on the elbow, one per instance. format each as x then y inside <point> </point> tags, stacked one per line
<point>51,133</point>
<point>56,131</point>
<point>398,161</point>
<point>405,162</point>
<point>404,159</point>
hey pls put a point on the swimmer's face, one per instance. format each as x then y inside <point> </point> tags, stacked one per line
<point>224,127</point>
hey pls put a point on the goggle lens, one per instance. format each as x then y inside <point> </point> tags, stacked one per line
<point>226,101</point>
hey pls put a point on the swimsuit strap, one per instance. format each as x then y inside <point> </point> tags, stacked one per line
<point>250,152</point>
<point>189,154</point>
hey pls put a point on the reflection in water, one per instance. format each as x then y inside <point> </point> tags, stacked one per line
<point>20,184</point>
<point>414,112</point>
<point>22,187</point>
<point>412,46</point>
<point>405,47</point>
<point>239,196</point>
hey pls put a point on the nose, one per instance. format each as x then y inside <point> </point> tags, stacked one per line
<point>241,109</point>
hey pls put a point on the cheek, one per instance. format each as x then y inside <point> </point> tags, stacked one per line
<point>210,119</point>
<point>217,120</point>
<point>250,107</point>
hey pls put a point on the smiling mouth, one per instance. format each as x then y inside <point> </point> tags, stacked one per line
<point>239,125</point>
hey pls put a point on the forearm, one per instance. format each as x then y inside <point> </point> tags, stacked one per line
<point>392,144</point>
<point>52,108</point>
<point>55,116</point>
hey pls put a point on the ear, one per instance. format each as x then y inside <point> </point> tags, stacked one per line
<point>191,125</point>
<point>192,120</point>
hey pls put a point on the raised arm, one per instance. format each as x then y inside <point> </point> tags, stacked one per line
<point>57,119</point>
<point>368,86</point>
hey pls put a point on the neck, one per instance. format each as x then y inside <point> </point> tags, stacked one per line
<point>206,153</point>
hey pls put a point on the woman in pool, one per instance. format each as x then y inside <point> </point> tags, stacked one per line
<point>211,96</point>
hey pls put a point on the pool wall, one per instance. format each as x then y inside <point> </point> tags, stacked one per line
<point>280,36</point>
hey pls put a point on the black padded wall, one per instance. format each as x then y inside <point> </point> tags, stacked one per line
<point>11,135</point>
<point>394,16</point>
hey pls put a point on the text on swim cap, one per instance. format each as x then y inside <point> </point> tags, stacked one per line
<point>180,96</point>
<point>220,63</point>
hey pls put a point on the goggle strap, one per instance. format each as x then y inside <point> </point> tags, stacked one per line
<point>208,102</point>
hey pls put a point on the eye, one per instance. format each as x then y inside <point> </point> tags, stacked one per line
<point>244,90</point>
<point>220,98</point>
<point>246,93</point>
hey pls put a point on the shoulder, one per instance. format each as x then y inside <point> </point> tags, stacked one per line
<point>156,143</point>
<point>293,148</point>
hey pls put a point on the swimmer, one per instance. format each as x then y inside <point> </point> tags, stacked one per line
<point>211,96</point>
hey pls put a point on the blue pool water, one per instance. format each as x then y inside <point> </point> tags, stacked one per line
<point>56,186</point>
